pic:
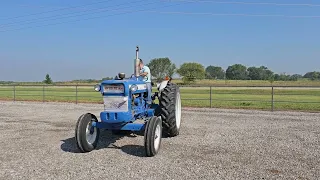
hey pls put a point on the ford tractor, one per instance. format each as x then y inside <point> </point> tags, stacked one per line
<point>126,108</point>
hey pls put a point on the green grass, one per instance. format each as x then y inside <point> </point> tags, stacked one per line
<point>302,82</point>
<point>206,82</point>
<point>300,99</point>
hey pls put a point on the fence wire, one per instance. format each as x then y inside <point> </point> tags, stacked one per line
<point>245,97</point>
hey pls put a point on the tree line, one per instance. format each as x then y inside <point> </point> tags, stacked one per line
<point>191,71</point>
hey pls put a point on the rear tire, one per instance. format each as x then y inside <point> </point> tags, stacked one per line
<point>170,109</point>
<point>86,141</point>
<point>152,136</point>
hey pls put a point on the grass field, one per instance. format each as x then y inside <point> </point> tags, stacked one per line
<point>301,82</point>
<point>302,99</point>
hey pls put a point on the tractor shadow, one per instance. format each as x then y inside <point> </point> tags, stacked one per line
<point>107,140</point>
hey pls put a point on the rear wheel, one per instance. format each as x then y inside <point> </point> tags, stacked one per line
<point>87,137</point>
<point>170,109</point>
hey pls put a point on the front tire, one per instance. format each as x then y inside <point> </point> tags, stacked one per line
<point>87,137</point>
<point>152,136</point>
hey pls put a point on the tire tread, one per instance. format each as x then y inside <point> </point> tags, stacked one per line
<point>166,109</point>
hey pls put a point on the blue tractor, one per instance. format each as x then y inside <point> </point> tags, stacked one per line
<point>126,109</point>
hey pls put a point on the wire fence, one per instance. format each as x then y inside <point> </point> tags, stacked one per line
<point>302,98</point>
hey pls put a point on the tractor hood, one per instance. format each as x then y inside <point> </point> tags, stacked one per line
<point>121,86</point>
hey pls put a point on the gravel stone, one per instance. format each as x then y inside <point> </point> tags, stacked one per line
<point>37,142</point>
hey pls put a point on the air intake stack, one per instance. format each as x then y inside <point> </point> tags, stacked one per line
<point>136,64</point>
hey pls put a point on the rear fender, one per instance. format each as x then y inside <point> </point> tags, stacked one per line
<point>162,85</point>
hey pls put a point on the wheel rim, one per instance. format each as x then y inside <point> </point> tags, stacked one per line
<point>178,110</point>
<point>157,137</point>
<point>91,137</point>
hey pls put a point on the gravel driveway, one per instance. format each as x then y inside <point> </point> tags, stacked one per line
<point>37,142</point>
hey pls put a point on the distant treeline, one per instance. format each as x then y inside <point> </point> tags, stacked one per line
<point>241,72</point>
<point>191,71</point>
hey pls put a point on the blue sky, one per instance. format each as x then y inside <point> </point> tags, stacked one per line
<point>76,48</point>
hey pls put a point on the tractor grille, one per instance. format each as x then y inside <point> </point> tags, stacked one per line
<point>115,103</point>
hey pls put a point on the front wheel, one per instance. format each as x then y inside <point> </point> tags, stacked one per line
<point>152,136</point>
<point>87,136</point>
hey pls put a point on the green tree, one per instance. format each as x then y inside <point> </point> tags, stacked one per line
<point>295,77</point>
<point>171,70</point>
<point>48,79</point>
<point>284,77</point>
<point>259,73</point>
<point>276,77</point>
<point>237,72</point>
<point>315,76</point>
<point>254,73</point>
<point>309,75</point>
<point>265,73</point>
<point>191,71</point>
<point>271,79</point>
<point>312,75</point>
<point>214,72</point>
<point>161,67</point>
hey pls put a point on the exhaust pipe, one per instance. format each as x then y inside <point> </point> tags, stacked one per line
<point>136,64</point>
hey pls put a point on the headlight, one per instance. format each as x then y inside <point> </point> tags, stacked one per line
<point>133,88</point>
<point>97,87</point>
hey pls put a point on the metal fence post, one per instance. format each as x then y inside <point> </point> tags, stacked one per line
<point>14,93</point>
<point>43,93</point>
<point>272,99</point>
<point>76,94</point>
<point>210,96</point>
